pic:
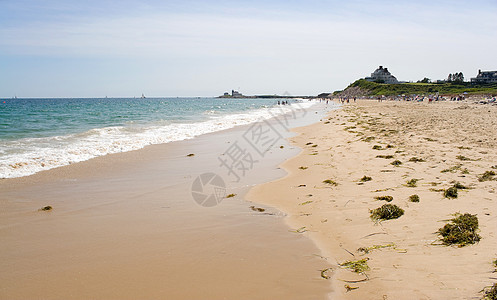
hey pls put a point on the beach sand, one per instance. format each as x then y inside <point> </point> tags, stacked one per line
<point>125,226</point>
<point>457,142</point>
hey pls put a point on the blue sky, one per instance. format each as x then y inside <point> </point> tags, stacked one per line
<point>124,48</point>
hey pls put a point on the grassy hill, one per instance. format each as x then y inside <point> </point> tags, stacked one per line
<point>363,87</point>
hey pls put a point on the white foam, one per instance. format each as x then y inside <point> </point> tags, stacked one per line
<point>28,156</point>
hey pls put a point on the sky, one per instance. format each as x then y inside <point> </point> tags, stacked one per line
<point>97,48</point>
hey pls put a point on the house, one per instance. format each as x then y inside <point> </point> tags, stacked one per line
<point>235,94</point>
<point>382,75</point>
<point>485,77</point>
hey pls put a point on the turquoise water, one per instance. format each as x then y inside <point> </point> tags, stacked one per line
<point>39,134</point>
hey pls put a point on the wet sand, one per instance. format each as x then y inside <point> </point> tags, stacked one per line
<point>125,226</point>
<point>457,142</point>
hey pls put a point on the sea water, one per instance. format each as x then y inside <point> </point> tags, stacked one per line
<point>41,134</point>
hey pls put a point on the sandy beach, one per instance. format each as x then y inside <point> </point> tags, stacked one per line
<point>452,141</point>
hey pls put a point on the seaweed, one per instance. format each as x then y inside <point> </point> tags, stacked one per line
<point>230,195</point>
<point>357,266</point>
<point>414,198</point>
<point>450,192</point>
<point>46,208</point>
<point>491,293</point>
<point>330,182</point>
<point>384,198</point>
<point>415,159</point>
<point>377,147</point>
<point>461,230</point>
<point>412,182</point>
<point>366,178</point>
<point>463,158</point>
<point>190,155</point>
<point>349,288</point>
<point>258,209</point>
<point>487,176</point>
<point>366,250</point>
<point>386,212</point>
<point>384,156</point>
<point>460,186</point>
<point>303,168</point>
<point>396,162</point>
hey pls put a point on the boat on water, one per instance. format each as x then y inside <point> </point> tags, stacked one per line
<point>143,96</point>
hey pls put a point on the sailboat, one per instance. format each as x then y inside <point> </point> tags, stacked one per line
<point>143,96</point>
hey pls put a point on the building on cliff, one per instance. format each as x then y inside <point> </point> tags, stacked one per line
<point>382,75</point>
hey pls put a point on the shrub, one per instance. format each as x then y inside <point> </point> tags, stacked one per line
<point>414,198</point>
<point>450,192</point>
<point>387,212</point>
<point>461,230</point>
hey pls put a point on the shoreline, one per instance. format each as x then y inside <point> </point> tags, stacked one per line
<point>126,224</point>
<point>337,219</point>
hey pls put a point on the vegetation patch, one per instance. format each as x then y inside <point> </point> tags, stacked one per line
<point>412,182</point>
<point>330,182</point>
<point>490,293</point>
<point>487,176</point>
<point>384,198</point>
<point>366,250</point>
<point>451,169</point>
<point>414,198</point>
<point>396,162</point>
<point>415,159</point>
<point>257,209</point>
<point>357,266</point>
<point>366,178</point>
<point>386,212</point>
<point>461,230</point>
<point>450,192</point>
<point>384,156</point>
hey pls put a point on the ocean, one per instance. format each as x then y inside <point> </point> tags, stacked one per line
<point>41,134</point>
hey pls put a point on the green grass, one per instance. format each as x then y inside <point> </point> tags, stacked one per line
<point>377,89</point>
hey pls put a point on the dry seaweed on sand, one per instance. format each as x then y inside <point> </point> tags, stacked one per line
<point>46,208</point>
<point>349,288</point>
<point>384,198</point>
<point>460,186</point>
<point>366,178</point>
<point>377,147</point>
<point>386,212</point>
<point>412,183</point>
<point>415,159</point>
<point>461,230</point>
<point>330,182</point>
<point>357,266</point>
<point>414,198</point>
<point>190,155</point>
<point>366,250</point>
<point>487,176</point>
<point>490,293</point>
<point>450,192</point>
<point>230,195</point>
<point>257,209</point>
<point>396,162</point>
